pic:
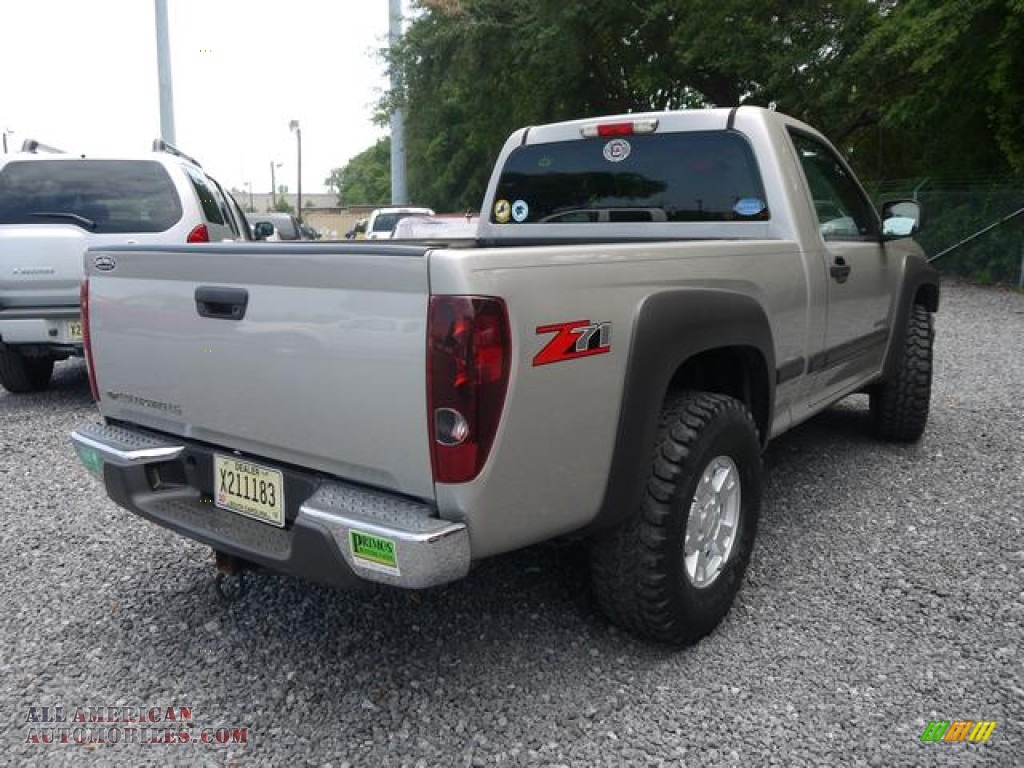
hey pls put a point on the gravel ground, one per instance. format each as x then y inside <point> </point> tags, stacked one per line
<point>885,591</point>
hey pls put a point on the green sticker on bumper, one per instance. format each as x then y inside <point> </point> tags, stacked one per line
<point>90,459</point>
<point>373,551</point>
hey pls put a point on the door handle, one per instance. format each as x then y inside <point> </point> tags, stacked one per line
<point>840,271</point>
<point>221,303</point>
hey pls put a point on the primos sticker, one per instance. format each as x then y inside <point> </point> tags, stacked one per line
<point>90,459</point>
<point>502,211</point>
<point>374,551</point>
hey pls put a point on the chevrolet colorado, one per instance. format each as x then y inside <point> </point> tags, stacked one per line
<point>649,299</point>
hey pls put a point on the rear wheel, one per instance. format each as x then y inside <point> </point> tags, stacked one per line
<point>20,373</point>
<point>899,405</point>
<point>670,574</point>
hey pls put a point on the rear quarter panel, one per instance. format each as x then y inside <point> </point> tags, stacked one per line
<point>549,467</point>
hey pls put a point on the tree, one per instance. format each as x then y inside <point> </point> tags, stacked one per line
<point>281,204</point>
<point>366,178</point>
<point>334,183</point>
<point>950,86</point>
<point>475,70</point>
<point>904,87</point>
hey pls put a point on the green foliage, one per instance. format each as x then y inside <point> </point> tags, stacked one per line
<point>366,179</point>
<point>957,212</point>
<point>475,70</point>
<point>949,86</point>
<point>281,204</point>
<point>957,209</point>
<point>907,89</point>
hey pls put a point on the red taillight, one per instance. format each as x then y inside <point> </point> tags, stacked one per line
<point>87,340</point>
<point>199,234</point>
<point>468,360</point>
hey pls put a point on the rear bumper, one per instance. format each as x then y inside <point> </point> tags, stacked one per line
<point>169,482</point>
<point>47,326</point>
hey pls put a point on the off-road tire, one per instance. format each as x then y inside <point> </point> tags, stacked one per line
<point>638,571</point>
<point>899,405</point>
<point>20,373</point>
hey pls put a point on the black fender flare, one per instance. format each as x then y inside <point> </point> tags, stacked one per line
<point>919,279</point>
<point>670,328</point>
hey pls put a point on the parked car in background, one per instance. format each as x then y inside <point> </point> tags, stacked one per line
<point>53,206</point>
<point>286,226</point>
<point>382,222</point>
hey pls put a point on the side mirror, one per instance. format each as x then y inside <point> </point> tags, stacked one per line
<point>901,218</point>
<point>262,230</point>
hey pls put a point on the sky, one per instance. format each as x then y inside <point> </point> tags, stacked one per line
<point>81,75</point>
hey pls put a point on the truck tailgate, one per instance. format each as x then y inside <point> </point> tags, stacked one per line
<point>324,368</point>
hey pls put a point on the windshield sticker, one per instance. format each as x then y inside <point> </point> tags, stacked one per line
<point>502,211</point>
<point>520,211</point>
<point>617,150</point>
<point>749,206</point>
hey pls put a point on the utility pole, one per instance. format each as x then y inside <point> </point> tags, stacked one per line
<point>1020,283</point>
<point>399,196</point>
<point>294,126</point>
<point>273,186</point>
<point>163,64</point>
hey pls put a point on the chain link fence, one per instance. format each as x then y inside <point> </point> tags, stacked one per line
<point>956,210</point>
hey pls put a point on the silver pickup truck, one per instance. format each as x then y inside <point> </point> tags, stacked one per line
<point>649,300</point>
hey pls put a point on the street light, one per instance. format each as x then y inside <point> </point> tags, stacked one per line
<point>7,132</point>
<point>248,185</point>
<point>273,186</point>
<point>294,126</point>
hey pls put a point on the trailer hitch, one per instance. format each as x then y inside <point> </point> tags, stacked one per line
<point>230,577</point>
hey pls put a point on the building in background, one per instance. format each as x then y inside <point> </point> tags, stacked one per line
<point>319,211</point>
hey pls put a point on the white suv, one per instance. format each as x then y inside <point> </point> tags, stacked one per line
<point>382,222</point>
<point>54,206</point>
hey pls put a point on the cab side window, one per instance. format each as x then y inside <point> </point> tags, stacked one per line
<point>844,213</point>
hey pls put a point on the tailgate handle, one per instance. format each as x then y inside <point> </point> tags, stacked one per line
<point>221,303</point>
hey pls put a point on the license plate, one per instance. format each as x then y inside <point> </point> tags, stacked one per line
<point>249,489</point>
<point>74,329</point>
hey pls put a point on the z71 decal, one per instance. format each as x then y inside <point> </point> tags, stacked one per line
<point>579,338</point>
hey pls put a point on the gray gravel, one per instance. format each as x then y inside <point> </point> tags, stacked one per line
<point>886,590</point>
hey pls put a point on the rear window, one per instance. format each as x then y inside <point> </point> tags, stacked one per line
<point>97,195</point>
<point>670,177</point>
